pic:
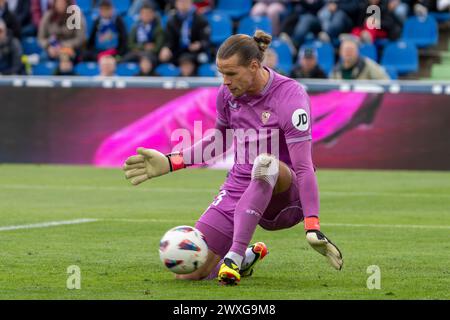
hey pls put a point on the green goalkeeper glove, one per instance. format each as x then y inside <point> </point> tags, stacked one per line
<point>150,163</point>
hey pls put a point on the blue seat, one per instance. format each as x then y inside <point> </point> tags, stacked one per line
<point>369,50</point>
<point>164,18</point>
<point>207,70</point>
<point>423,32</point>
<point>87,69</point>
<point>440,16</point>
<point>31,45</point>
<point>325,55</point>
<point>85,6</point>
<point>248,25</point>
<point>235,8</point>
<point>167,70</point>
<point>221,27</point>
<point>402,56</point>
<point>121,6</point>
<point>127,69</point>
<point>284,56</point>
<point>392,72</point>
<point>130,22</point>
<point>44,68</point>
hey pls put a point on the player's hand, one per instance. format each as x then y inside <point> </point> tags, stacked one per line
<point>325,247</point>
<point>147,164</point>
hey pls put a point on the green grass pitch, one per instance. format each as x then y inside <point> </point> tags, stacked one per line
<point>397,220</point>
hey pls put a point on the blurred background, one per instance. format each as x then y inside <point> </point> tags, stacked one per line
<point>131,72</point>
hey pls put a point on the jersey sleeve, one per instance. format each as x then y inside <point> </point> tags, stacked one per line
<point>295,115</point>
<point>222,118</point>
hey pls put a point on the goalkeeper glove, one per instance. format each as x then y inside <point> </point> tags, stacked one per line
<point>321,243</point>
<point>150,163</point>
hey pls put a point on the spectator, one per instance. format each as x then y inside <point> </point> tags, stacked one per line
<point>203,6</point>
<point>336,18</point>
<point>352,66</point>
<point>147,36</point>
<point>308,22</point>
<point>10,19</point>
<point>399,8</point>
<point>108,34</point>
<point>307,65</point>
<point>390,25</point>
<point>10,52</point>
<point>22,10</point>
<point>147,65</point>
<point>107,64</point>
<point>65,66</point>
<point>38,9</point>
<point>136,6</point>
<point>54,35</point>
<point>187,65</point>
<point>271,60</point>
<point>186,31</point>
<point>272,9</point>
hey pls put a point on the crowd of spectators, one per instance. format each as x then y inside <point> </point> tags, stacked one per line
<point>182,38</point>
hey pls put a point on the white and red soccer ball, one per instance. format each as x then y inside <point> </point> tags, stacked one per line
<point>183,249</point>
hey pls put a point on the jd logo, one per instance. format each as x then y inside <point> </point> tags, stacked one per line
<point>74,20</point>
<point>374,20</point>
<point>300,119</point>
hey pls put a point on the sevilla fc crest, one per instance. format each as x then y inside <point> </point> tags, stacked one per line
<point>265,117</point>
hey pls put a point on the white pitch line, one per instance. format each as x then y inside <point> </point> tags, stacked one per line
<point>47,224</point>
<point>213,191</point>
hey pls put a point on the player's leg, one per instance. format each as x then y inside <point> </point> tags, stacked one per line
<point>248,211</point>
<point>257,251</point>
<point>216,224</point>
<point>204,271</point>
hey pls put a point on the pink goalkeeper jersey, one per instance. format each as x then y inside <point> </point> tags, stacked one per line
<point>280,115</point>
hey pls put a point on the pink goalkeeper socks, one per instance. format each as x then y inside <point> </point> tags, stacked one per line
<point>248,212</point>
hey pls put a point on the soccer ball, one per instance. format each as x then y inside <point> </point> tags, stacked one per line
<point>183,249</point>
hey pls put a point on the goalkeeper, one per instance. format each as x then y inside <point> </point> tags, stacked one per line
<point>274,192</point>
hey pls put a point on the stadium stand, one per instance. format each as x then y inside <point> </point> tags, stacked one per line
<point>419,52</point>
<point>422,32</point>
<point>207,70</point>
<point>248,25</point>
<point>369,50</point>
<point>221,27</point>
<point>236,9</point>
<point>167,70</point>
<point>401,56</point>
<point>325,53</point>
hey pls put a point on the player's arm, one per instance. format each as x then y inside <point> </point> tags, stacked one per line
<point>300,153</point>
<point>150,163</point>
<point>296,124</point>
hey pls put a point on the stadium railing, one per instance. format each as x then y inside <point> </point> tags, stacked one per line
<point>375,86</point>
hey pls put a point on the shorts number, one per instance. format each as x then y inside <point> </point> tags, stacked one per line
<point>219,198</point>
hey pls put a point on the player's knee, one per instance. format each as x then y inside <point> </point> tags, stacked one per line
<point>266,167</point>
